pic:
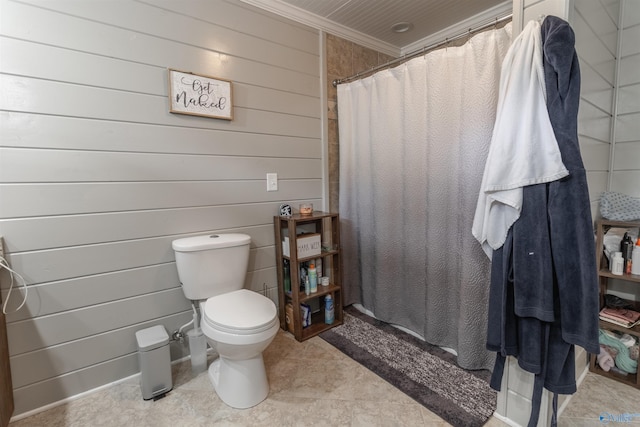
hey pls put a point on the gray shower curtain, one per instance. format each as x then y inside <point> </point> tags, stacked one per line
<point>413,144</point>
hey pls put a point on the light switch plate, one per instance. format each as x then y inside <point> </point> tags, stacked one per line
<point>272,182</point>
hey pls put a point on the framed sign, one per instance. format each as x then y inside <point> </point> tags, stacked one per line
<point>200,95</point>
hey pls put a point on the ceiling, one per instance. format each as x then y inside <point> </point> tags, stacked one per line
<point>369,22</point>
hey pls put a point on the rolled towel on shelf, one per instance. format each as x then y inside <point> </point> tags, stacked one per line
<point>605,361</point>
<point>623,361</point>
<point>628,340</point>
<point>612,351</point>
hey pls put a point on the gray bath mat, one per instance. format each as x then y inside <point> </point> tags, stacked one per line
<point>424,372</point>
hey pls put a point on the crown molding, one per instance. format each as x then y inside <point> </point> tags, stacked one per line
<point>477,20</point>
<point>302,16</point>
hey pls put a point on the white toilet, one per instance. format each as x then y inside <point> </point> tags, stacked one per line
<point>238,323</point>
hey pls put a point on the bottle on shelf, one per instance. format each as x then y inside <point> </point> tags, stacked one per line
<point>626,246</point>
<point>329,315</point>
<point>287,277</point>
<point>313,279</point>
<point>307,286</point>
<point>303,275</point>
<point>617,264</point>
<point>635,258</point>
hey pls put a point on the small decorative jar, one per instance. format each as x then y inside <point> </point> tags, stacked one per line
<point>306,208</point>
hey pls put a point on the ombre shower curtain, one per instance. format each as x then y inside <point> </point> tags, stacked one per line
<point>413,144</point>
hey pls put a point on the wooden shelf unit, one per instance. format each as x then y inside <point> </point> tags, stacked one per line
<point>328,226</point>
<point>604,275</point>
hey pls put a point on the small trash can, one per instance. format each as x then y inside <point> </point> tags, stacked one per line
<point>155,362</point>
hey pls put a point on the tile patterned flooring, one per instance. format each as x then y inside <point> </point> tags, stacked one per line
<point>312,383</point>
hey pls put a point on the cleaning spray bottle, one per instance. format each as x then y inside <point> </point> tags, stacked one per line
<point>329,314</point>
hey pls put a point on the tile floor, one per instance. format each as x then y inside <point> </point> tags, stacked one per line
<point>312,383</point>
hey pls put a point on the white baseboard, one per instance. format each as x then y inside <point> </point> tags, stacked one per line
<point>85,393</point>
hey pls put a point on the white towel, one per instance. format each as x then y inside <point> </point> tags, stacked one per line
<point>523,150</point>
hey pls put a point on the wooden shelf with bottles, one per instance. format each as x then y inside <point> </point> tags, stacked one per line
<point>294,227</point>
<point>604,275</point>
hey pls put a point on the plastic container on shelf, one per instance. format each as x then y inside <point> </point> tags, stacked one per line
<point>617,264</point>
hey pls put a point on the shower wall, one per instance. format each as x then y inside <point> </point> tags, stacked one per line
<point>596,28</point>
<point>343,58</point>
<point>625,170</point>
<point>609,118</point>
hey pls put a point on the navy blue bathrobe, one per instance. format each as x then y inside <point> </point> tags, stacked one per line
<point>544,286</point>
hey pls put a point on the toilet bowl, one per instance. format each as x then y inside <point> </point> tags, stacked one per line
<point>239,325</point>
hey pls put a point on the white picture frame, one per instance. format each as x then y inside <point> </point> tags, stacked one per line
<point>200,95</point>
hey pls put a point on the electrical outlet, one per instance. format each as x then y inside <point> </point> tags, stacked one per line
<point>272,182</point>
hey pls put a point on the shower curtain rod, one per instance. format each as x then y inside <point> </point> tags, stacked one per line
<point>423,50</point>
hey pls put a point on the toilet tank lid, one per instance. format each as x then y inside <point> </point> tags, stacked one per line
<point>210,241</point>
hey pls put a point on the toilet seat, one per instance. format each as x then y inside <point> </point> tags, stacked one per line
<point>241,312</point>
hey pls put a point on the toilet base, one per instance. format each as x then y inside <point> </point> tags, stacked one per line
<point>240,384</point>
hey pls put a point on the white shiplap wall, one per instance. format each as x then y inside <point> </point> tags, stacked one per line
<point>596,27</point>
<point>97,177</point>
<point>625,174</point>
<point>607,34</point>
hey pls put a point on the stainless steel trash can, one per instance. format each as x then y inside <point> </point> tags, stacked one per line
<point>155,362</point>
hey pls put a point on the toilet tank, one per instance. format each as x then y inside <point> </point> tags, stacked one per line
<point>212,264</point>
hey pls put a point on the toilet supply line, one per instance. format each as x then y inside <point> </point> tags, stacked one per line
<point>196,319</point>
<point>178,335</point>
